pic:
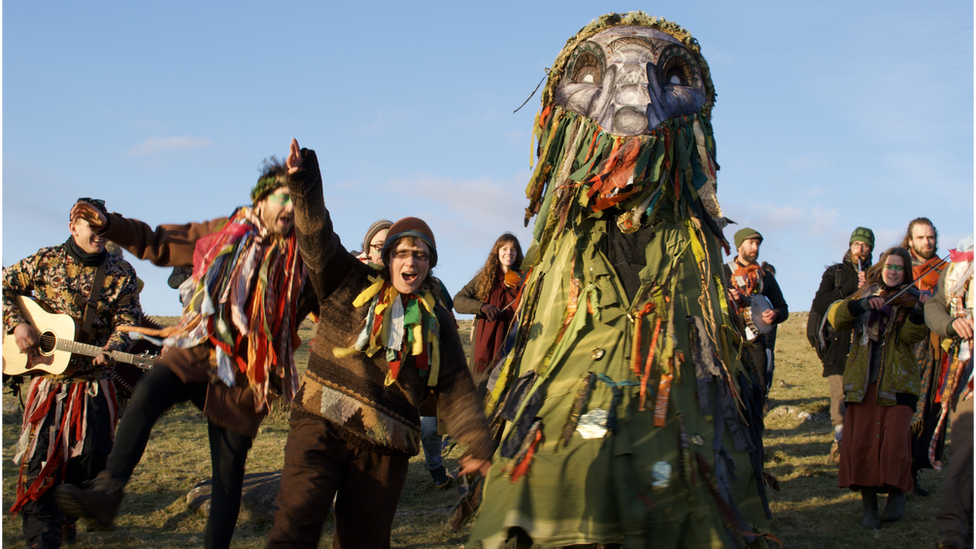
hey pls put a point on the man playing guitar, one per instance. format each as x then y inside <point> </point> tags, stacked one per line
<point>752,290</point>
<point>73,410</point>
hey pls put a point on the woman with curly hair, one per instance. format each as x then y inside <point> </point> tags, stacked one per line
<point>493,303</point>
<point>881,383</point>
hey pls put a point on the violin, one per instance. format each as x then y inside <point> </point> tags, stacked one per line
<point>906,297</point>
<point>513,279</point>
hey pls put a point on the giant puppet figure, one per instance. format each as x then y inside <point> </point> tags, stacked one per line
<point>628,417</point>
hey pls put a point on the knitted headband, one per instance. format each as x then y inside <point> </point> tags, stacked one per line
<point>266,186</point>
<point>415,227</point>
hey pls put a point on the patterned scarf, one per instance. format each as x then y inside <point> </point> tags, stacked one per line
<point>245,288</point>
<point>748,278</point>
<point>401,329</point>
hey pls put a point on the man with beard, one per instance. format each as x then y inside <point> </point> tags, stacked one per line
<point>69,417</point>
<point>747,282</point>
<point>232,351</point>
<point>839,281</point>
<point>922,242</point>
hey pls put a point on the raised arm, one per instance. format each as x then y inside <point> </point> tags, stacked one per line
<point>327,261</point>
<point>166,245</point>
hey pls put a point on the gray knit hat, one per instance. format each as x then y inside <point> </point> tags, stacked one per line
<point>373,229</point>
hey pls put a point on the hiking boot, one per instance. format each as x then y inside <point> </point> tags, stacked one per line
<point>895,507</point>
<point>869,497</point>
<point>834,456</point>
<point>99,504</point>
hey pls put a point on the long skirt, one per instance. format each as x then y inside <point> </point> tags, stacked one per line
<point>876,449</point>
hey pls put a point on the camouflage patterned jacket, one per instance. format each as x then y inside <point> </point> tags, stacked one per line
<point>62,284</point>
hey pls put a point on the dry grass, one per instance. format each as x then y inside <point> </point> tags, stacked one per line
<point>809,511</point>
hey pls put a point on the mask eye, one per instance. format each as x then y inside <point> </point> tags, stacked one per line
<point>678,68</point>
<point>587,65</point>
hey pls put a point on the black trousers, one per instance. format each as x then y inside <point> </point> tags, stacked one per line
<point>158,390</point>
<point>42,518</point>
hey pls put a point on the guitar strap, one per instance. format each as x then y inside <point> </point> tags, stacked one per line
<point>91,304</point>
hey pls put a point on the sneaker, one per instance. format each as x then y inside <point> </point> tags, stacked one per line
<point>834,456</point>
<point>100,503</point>
<point>441,478</point>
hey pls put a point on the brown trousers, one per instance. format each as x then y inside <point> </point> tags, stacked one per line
<point>955,519</point>
<point>319,465</point>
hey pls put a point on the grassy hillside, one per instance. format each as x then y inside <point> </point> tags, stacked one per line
<point>809,511</point>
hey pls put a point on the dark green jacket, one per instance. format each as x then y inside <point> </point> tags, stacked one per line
<point>900,374</point>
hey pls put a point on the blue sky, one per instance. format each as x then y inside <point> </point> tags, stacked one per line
<point>829,115</point>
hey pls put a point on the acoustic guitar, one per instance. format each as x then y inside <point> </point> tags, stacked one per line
<point>56,344</point>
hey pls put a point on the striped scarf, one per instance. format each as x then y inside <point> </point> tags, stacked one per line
<point>400,328</point>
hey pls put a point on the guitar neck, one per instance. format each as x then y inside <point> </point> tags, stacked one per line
<point>93,351</point>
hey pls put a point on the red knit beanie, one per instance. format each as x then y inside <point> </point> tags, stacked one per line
<point>410,226</point>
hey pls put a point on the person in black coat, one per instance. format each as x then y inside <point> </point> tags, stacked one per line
<point>839,281</point>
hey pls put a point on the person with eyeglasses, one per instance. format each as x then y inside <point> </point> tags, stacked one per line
<point>838,281</point>
<point>385,341</point>
<point>373,241</point>
<point>70,415</point>
<point>232,352</point>
<point>431,441</point>
<point>882,384</point>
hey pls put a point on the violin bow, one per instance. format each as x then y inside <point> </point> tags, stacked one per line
<point>920,277</point>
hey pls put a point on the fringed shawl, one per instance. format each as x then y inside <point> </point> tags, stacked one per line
<point>399,329</point>
<point>245,288</point>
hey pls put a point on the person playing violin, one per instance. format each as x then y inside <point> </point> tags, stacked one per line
<point>882,383</point>
<point>492,297</point>
<point>922,242</point>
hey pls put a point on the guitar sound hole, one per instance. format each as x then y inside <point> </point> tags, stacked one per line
<point>47,343</point>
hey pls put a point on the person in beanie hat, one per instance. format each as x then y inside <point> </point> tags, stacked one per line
<point>751,287</point>
<point>385,341</point>
<point>839,281</point>
<point>746,234</point>
<point>863,234</point>
<point>374,240</point>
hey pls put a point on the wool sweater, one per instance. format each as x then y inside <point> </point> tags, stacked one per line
<point>349,392</point>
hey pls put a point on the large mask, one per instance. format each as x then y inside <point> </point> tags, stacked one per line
<point>629,79</point>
